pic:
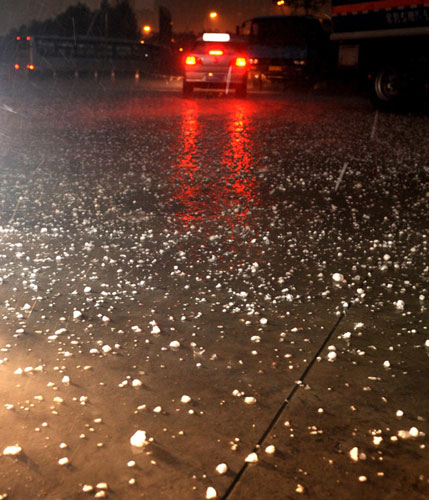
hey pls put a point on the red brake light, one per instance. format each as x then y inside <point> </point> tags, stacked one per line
<point>191,60</point>
<point>28,38</point>
<point>216,52</point>
<point>30,66</point>
<point>17,66</point>
<point>18,38</point>
<point>241,62</point>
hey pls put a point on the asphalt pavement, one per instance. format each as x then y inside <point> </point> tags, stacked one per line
<point>211,297</point>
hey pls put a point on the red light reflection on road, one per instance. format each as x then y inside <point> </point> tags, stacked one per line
<point>204,187</point>
<point>238,160</point>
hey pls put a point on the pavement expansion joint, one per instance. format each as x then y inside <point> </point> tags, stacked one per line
<point>299,383</point>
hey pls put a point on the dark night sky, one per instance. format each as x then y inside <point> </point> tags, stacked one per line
<point>187,14</point>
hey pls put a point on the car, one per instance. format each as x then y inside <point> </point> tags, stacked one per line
<point>216,62</point>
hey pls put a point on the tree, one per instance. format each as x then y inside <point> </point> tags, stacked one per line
<point>122,21</point>
<point>306,7</point>
<point>118,21</point>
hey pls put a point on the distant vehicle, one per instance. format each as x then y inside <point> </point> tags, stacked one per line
<point>50,54</point>
<point>286,47</point>
<point>216,61</point>
<point>387,42</point>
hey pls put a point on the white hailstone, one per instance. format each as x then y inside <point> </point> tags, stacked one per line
<point>58,399</point>
<point>263,321</point>
<point>102,486</point>
<point>211,493</point>
<point>155,330</point>
<point>157,409</point>
<point>250,400</point>
<point>77,314</point>
<point>252,458</point>
<point>414,432</point>
<point>400,305</point>
<point>138,439</point>
<point>132,481</point>
<point>87,289</point>
<point>60,331</point>
<point>185,399</point>
<point>63,461</point>
<point>299,488</point>
<point>422,298</point>
<point>100,494</point>
<point>270,449</point>
<point>386,364</point>
<point>18,371</point>
<point>105,319</point>
<point>243,294</point>
<point>87,488</point>
<point>386,257</point>
<point>131,463</point>
<point>338,277</point>
<point>222,469</point>
<point>26,307</point>
<point>377,440</point>
<point>12,450</point>
<point>174,344</point>
<point>136,382</point>
<point>63,445</point>
<point>136,329</point>
<point>66,380</point>
<point>331,356</point>
<point>106,348</point>
<point>399,413</point>
<point>427,343</point>
<point>354,454</point>
<point>362,479</point>
<point>256,339</point>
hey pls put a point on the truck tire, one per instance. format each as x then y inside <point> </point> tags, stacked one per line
<point>388,85</point>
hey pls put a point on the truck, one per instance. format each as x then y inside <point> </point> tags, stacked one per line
<point>286,48</point>
<point>387,43</point>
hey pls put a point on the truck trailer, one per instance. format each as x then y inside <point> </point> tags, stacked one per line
<point>387,43</point>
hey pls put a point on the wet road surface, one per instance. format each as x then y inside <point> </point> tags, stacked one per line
<point>173,266</point>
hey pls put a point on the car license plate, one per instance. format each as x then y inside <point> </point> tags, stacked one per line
<point>274,68</point>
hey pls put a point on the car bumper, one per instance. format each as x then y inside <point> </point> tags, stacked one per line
<point>212,79</point>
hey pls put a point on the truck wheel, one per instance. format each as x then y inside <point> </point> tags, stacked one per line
<point>387,87</point>
<point>187,89</point>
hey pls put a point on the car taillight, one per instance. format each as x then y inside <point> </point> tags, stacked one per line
<point>241,62</point>
<point>17,66</point>
<point>216,52</point>
<point>30,67</point>
<point>191,61</point>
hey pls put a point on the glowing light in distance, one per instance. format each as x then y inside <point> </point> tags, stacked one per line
<point>213,15</point>
<point>191,60</point>
<point>147,29</point>
<point>216,37</point>
<point>216,52</point>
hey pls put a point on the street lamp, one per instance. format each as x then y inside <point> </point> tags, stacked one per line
<point>146,29</point>
<point>213,15</point>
